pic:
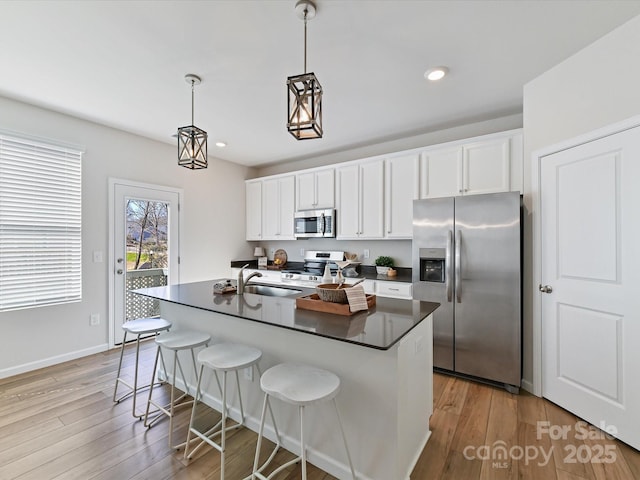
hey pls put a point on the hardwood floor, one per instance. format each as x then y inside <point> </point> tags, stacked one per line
<point>60,423</point>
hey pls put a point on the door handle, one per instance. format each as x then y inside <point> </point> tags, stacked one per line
<point>120,260</point>
<point>545,288</point>
<point>119,271</point>
<point>447,260</point>
<point>458,267</point>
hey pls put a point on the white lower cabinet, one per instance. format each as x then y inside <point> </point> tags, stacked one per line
<point>394,289</point>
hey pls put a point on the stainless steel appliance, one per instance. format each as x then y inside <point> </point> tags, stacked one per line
<point>467,256</point>
<point>314,223</point>
<point>313,268</point>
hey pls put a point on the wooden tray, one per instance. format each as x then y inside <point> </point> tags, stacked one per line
<point>313,302</point>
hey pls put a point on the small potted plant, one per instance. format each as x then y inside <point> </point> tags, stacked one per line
<point>383,264</point>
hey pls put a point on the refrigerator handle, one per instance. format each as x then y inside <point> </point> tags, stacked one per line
<point>447,260</point>
<point>458,267</point>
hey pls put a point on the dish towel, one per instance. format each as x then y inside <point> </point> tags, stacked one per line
<point>357,298</point>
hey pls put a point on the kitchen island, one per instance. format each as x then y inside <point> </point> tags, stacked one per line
<point>383,358</point>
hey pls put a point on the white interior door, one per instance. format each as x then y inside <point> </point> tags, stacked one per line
<point>590,237</point>
<point>144,248</point>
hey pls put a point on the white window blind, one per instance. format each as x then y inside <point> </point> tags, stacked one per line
<point>40,224</point>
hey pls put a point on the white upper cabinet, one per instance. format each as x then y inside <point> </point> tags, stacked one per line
<point>360,194</point>
<point>401,189</point>
<point>278,208</point>
<point>315,190</point>
<point>441,173</point>
<point>374,197</point>
<point>253,192</point>
<point>485,165</point>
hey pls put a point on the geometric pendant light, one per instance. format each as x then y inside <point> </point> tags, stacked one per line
<point>192,141</point>
<point>304,92</point>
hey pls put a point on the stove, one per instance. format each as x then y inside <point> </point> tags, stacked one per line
<point>313,270</point>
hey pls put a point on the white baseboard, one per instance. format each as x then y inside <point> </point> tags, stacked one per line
<point>527,386</point>
<point>47,362</point>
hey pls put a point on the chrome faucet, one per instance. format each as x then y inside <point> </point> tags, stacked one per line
<point>242,282</point>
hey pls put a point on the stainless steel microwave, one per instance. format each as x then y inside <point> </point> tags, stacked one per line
<point>315,223</point>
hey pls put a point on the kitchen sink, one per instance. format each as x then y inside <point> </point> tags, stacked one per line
<point>270,291</point>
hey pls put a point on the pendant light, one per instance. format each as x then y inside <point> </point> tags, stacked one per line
<point>192,141</point>
<point>304,102</point>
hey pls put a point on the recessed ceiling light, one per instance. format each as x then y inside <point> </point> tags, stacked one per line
<point>436,73</point>
<point>221,144</point>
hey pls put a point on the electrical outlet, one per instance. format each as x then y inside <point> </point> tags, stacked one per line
<point>248,374</point>
<point>97,256</point>
<point>272,251</point>
<point>365,254</point>
<point>302,252</point>
<point>418,345</point>
<point>94,319</point>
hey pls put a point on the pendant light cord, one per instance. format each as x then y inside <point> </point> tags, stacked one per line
<point>192,103</point>
<point>305,39</point>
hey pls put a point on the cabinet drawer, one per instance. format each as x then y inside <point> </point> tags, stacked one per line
<point>393,289</point>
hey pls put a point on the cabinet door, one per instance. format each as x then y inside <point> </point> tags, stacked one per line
<point>270,209</point>
<point>286,191</point>
<point>441,173</point>
<point>253,209</point>
<point>401,189</point>
<point>278,208</point>
<point>372,199</point>
<point>348,220</point>
<point>486,167</point>
<point>306,191</point>
<point>325,189</point>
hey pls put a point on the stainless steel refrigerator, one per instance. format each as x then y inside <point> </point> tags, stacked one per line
<point>467,256</point>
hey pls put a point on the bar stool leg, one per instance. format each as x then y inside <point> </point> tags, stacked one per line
<point>303,449</point>
<point>115,390</point>
<point>259,444</point>
<point>135,378</point>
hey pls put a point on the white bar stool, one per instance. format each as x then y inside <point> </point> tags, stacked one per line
<point>139,327</point>
<point>221,357</point>
<point>300,385</point>
<point>176,341</point>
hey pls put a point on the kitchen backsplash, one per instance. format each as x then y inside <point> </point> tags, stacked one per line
<point>399,250</point>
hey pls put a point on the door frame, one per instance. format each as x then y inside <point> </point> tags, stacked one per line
<point>112,182</point>
<point>536,166</point>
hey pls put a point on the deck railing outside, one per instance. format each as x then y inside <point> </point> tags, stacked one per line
<point>137,305</point>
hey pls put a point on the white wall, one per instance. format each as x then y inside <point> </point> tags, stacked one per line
<point>442,135</point>
<point>212,230</point>
<point>593,88</point>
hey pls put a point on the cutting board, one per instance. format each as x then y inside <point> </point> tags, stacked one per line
<point>313,302</point>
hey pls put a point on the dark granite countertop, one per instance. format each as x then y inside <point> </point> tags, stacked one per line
<point>366,271</point>
<point>381,327</point>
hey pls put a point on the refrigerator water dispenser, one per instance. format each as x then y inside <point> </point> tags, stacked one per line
<point>432,265</point>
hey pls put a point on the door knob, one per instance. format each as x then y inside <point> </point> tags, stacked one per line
<point>119,271</point>
<point>545,288</point>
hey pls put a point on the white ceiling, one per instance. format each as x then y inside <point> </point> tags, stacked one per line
<point>122,64</point>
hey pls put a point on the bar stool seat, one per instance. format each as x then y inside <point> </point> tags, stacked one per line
<point>300,385</point>
<point>224,358</point>
<point>138,327</point>
<point>175,341</point>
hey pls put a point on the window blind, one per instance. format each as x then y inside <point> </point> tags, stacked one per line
<point>40,224</point>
